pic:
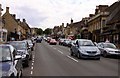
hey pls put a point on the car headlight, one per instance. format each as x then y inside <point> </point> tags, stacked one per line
<point>83,52</point>
<point>111,51</point>
<point>24,56</point>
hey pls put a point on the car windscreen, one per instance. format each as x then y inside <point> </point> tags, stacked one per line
<point>86,43</point>
<point>5,53</point>
<point>19,45</point>
<point>29,42</point>
<point>109,45</point>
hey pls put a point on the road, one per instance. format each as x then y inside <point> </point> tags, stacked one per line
<point>55,60</point>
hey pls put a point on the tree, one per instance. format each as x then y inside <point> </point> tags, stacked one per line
<point>39,31</point>
<point>47,31</point>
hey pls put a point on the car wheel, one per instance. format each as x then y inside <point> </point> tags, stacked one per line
<point>71,52</point>
<point>32,49</point>
<point>19,75</point>
<point>104,54</point>
<point>78,55</point>
<point>12,75</point>
<point>26,64</point>
<point>30,57</point>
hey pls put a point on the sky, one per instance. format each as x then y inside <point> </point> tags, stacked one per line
<point>49,13</point>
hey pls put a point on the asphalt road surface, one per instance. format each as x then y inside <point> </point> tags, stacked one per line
<point>55,60</point>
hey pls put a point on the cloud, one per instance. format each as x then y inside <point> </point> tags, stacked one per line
<point>49,13</point>
<point>33,16</point>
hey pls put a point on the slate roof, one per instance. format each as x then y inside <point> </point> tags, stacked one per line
<point>114,11</point>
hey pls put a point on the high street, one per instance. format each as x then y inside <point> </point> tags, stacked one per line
<point>55,60</point>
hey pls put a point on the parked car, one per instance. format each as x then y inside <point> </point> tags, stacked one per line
<point>108,49</point>
<point>31,46</point>
<point>61,41</point>
<point>66,42</point>
<point>71,42</point>
<point>48,39</point>
<point>84,48</point>
<point>53,41</point>
<point>23,50</point>
<point>10,63</point>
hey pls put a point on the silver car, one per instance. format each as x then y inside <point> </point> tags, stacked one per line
<point>108,49</point>
<point>23,50</point>
<point>10,62</point>
<point>84,48</point>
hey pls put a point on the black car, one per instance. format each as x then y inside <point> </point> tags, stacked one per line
<point>10,62</point>
<point>39,40</point>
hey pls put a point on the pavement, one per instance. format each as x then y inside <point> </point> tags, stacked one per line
<point>55,60</point>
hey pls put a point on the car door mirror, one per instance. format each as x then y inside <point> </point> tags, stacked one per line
<point>74,43</point>
<point>17,57</point>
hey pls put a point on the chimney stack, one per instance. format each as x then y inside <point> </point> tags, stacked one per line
<point>18,19</point>
<point>7,9</point>
<point>24,20</point>
<point>63,24</point>
<point>91,15</point>
<point>14,16</point>
<point>71,20</point>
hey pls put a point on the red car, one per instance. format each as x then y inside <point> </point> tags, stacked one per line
<point>53,41</point>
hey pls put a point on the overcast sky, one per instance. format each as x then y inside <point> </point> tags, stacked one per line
<point>49,13</point>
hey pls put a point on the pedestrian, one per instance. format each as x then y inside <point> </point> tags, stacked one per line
<point>107,41</point>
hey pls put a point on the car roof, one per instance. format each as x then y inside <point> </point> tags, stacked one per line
<point>83,40</point>
<point>11,47</point>
<point>104,43</point>
<point>5,45</point>
<point>17,41</point>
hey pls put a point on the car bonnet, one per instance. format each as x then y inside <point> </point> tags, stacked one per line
<point>5,66</point>
<point>89,48</point>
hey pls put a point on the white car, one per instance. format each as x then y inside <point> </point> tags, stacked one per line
<point>108,49</point>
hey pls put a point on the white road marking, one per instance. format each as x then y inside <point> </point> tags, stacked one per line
<point>33,61</point>
<point>31,72</point>
<point>32,68</point>
<point>72,58</point>
<point>33,56</point>
<point>54,48</point>
<point>32,64</point>
<point>60,51</point>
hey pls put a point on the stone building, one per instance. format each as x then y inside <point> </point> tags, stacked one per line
<point>112,28</point>
<point>16,28</point>
<point>3,31</point>
<point>97,22</point>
